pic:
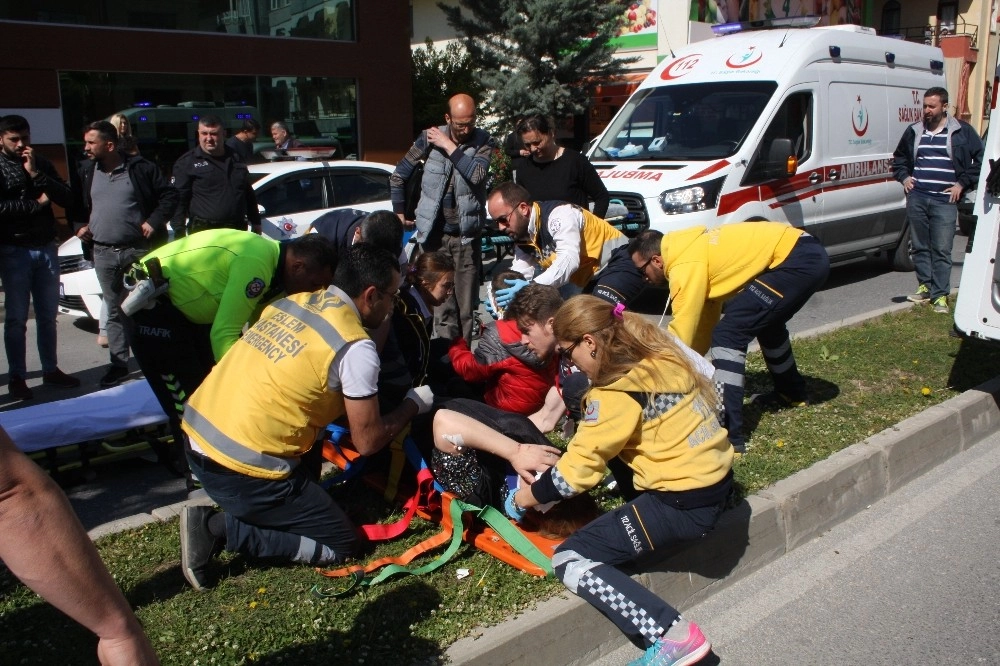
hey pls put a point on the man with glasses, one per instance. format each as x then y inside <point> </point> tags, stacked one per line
<point>255,421</point>
<point>763,272</point>
<point>562,245</point>
<point>450,212</point>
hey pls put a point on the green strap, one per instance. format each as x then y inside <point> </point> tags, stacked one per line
<point>513,536</point>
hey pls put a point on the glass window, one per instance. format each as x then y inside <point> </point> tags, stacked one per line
<point>312,19</point>
<point>163,109</point>
<point>359,187</point>
<point>292,194</point>
<point>792,121</point>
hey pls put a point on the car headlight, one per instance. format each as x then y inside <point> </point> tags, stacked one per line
<point>703,196</point>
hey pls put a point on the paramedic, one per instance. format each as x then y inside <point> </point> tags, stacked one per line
<point>307,362</point>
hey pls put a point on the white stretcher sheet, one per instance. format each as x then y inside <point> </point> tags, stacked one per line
<point>92,416</point>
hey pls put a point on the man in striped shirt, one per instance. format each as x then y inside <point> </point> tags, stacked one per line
<point>937,160</point>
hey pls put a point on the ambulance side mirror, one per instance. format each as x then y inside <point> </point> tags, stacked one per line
<point>781,160</point>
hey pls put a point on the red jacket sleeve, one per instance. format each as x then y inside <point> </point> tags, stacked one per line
<point>465,363</point>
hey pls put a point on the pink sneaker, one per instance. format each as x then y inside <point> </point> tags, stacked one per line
<point>665,652</point>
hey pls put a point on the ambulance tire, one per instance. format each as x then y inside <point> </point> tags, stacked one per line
<point>900,257</point>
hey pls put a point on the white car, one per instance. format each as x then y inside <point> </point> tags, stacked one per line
<point>290,196</point>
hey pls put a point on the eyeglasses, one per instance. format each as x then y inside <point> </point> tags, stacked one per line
<point>504,220</point>
<point>464,126</point>
<point>567,352</point>
<point>642,269</point>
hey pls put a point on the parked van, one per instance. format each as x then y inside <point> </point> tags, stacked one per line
<point>977,309</point>
<point>797,125</point>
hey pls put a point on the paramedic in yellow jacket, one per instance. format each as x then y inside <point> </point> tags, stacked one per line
<point>306,362</point>
<point>556,243</point>
<point>651,409</point>
<point>763,273</point>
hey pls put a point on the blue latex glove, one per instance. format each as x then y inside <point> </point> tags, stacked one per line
<point>505,296</point>
<point>489,308</point>
<point>511,510</point>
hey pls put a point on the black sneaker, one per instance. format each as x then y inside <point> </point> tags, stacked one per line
<point>197,544</point>
<point>114,376</point>
<point>19,389</point>
<point>59,378</point>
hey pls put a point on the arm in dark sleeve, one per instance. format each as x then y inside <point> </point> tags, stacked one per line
<point>902,164</point>
<point>55,188</point>
<point>404,169</point>
<point>166,198</point>
<point>253,212</point>
<point>181,182</point>
<point>971,176</point>
<point>15,209</point>
<point>594,187</point>
<point>475,169</point>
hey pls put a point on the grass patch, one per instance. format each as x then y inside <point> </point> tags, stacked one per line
<point>862,380</point>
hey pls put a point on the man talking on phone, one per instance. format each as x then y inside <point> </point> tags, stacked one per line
<point>29,261</point>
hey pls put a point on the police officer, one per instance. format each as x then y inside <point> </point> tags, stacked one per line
<point>218,281</point>
<point>214,183</point>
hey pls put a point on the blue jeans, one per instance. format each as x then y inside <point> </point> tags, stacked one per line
<point>29,273</point>
<point>932,234</point>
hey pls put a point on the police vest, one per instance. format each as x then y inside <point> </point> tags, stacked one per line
<point>598,240</point>
<point>267,400</point>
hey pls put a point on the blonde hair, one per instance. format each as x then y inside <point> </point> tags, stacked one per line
<point>117,119</point>
<point>623,340</point>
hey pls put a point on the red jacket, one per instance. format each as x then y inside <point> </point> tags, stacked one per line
<point>516,380</point>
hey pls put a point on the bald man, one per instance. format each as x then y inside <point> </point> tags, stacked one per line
<point>451,208</point>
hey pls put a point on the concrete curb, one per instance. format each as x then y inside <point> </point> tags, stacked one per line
<point>567,630</point>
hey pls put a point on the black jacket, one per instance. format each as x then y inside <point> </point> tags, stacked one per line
<point>156,199</point>
<point>24,221</point>
<point>964,147</point>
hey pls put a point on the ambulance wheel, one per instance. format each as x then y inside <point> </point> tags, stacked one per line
<point>900,257</point>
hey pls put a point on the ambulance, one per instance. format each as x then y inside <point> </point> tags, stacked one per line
<point>790,123</point>
<point>977,308</point>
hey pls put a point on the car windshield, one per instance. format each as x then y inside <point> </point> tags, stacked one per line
<point>699,121</point>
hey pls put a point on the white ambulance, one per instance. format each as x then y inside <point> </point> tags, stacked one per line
<point>791,124</point>
<point>977,309</point>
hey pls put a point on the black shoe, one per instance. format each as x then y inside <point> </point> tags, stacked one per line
<point>197,544</point>
<point>59,378</point>
<point>114,376</point>
<point>19,389</point>
<point>775,401</point>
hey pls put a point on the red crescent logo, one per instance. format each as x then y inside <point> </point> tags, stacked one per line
<point>680,67</point>
<point>862,130</point>
<point>740,65</point>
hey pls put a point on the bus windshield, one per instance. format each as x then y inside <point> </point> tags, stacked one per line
<point>698,121</point>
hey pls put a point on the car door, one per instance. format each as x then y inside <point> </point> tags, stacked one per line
<point>292,201</point>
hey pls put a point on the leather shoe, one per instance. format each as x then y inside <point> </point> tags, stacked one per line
<point>114,376</point>
<point>19,389</point>
<point>59,378</point>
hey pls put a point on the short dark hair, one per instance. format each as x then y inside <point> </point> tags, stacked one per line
<point>317,251</point>
<point>363,266</point>
<point>939,92</point>
<point>512,193</point>
<point>14,123</point>
<point>249,125</point>
<point>647,243</point>
<point>383,229</point>
<point>430,267</point>
<point>498,281</point>
<point>534,303</point>
<point>210,120</point>
<point>534,122</point>
<point>104,129</point>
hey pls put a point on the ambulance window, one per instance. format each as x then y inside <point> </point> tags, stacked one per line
<point>794,121</point>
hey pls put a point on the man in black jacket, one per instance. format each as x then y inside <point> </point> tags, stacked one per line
<point>123,200</point>
<point>29,261</point>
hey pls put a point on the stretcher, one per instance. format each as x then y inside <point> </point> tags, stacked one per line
<point>70,433</point>
<point>483,527</point>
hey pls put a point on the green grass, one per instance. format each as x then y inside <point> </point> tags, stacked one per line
<point>862,380</point>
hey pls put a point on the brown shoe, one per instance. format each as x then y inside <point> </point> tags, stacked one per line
<point>59,378</point>
<point>19,389</point>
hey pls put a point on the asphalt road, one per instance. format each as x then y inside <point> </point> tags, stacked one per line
<point>126,487</point>
<point>911,580</point>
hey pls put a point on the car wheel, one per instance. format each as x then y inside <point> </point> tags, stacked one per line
<point>900,257</point>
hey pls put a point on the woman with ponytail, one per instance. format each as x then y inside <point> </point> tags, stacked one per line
<point>649,407</point>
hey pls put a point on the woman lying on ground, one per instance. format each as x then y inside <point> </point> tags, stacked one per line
<point>480,452</point>
<point>649,407</point>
